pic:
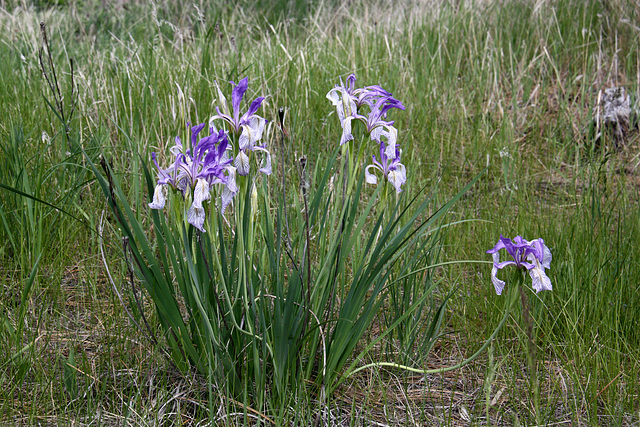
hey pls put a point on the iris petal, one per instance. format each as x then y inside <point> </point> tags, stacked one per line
<point>158,198</point>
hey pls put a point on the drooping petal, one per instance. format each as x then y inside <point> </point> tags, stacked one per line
<point>497,283</point>
<point>241,163</point>
<point>201,192</point>
<point>369,177</point>
<point>266,169</point>
<point>398,177</point>
<point>346,108</point>
<point>346,131</point>
<point>158,198</point>
<point>541,252</point>
<point>540,280</point>
<point>391,134</point>
<point>546,256</point>
<point>334,96</point>
<point>195,217</point>
<point>251,132</point>
<point>230,190</point>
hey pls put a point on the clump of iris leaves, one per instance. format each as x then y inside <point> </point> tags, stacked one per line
<point>264,294</point>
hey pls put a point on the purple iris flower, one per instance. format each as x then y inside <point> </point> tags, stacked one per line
<point>233,118</point>
<point>205,164</point>
<point>368,95</point>
<point>377,127</point>
<point>249,127</point>
<point>392,169</point>
<point>347,99</point>
<point>534,256</point>
<point>344,99</point>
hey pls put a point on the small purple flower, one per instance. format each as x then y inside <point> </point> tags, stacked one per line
<point>233,118</point>
<point>377,127</point>
<point>205,164</point>
<point>249,127</point>
<point>392,169</point>
<point>533,256</point>
<point>347,99</point>
<point>368,95</point>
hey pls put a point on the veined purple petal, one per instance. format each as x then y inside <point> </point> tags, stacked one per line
<point>397,177</point>
<point>230,190</point>
<point>201,193</point>
<point>497,283</point>
<point>195,217</point>
<point>391,135</point>
<point>540,280</point>
<point>252,110</point>
<point>369,177</point>
<point>158,198</point>
<point>346,108</point>
<point>334,96</point>
<point>241,162</point>
<point>346,131</point>
<point>251,132</point>
<point>266,169</point>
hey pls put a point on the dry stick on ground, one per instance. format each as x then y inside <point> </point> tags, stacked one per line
<point>52,81</point>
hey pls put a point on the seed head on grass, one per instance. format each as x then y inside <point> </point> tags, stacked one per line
<point>534,256</point>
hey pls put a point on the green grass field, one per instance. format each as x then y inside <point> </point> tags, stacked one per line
<point>501,91</point>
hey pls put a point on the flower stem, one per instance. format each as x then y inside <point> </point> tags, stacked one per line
<point>531,349</point>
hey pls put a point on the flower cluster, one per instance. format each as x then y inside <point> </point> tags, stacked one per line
<point>204,164</point>
<point>207,162</point>
<point>348,100</point>
<point>533,256</point>
<point>248,127</point>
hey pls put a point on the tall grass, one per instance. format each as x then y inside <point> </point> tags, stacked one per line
<point>510,85</point>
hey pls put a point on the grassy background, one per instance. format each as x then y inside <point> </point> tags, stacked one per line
<point>507,85</point>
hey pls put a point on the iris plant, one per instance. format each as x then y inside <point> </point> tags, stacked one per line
<point>248,128</point>
<point>534,256</point>
<point>204,164</point>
